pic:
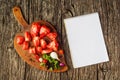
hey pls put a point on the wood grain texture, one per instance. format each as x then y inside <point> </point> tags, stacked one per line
<point>54,11</point>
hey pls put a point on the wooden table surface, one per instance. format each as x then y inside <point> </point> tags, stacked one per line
<point>12,67</point>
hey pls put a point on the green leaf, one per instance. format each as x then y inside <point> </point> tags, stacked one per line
<point>45,56</point>
<point>56,62</point>
<point>42,64</point>
<point>50,68</point>
<point>52,61</point>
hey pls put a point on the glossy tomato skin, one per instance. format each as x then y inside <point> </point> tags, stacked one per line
<point>27,36</point>
<point>20,39</point>
<point>36,41</point>
<point>32,50</point>
<point>61,51</point>
<point>25,45</point>
<point>43,43</point>
<point>35,29</point>
<point>44,61</point>
<point>44,31</point>
<point>53,45</point>
<point>46,51</point>
<point>52,36</point>
<point>38,49</point>
<point>42,35</point>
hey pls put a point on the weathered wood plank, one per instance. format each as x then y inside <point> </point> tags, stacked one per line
<point>110,23</point>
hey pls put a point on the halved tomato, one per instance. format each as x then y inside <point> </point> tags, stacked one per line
<point>20,39</point>
<point>35,29</point>
<point>27,36</point>
<point>36,41</point>
<point>53,45</point>
<point>25,45</point>
<point>43,43</point>
<point>39,49</point>
<point>44,31</point>
<point>52,36</point>
<point>46,51</point>
<point>32,50</point>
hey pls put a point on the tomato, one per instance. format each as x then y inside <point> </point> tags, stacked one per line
<point>52,36</point>
<point>36,41</point>
<point>43,43</point>
<point>60,51</point>
<point>44,31</point>
<point>42,35</point>
<point>46,51</point>
<point>32,50</point>
<point>25,45</point>
<point>53,45</point>
<point>35,29</point>
<point>27,36</point>
<point>20,39</point>
<point>44,61</point>
<point>39,49</point>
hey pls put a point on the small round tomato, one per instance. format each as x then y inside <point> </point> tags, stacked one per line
<point>46,51</point>
<point>53,45</point>
<point>25,45</point>
<point>35,29</point>
<point>44,30</point>
<point>32,50</point>
<point>27,36</point>
<point>39,49</point>
<point>60,51</point>
<point>43,43</point>
<point>44,61</point>
<point>36,41</point>
<point>20,39</point>
<point>52,36</point>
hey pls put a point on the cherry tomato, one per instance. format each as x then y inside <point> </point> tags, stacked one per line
<point>25,45</point>
<point>52,36</point>
<point>43,43</point>
<point>27,36</point>
<point>20,39</point>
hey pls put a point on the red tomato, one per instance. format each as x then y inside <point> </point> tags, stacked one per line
<point>45,61</point>
<point>61,51</point>
<point>52,36</point>
<point>25,45</point>
<point>20,39</point>
<point>43,43</point>
<point>42,35</point>
<point>44,31</point>
<point>46,51</point>
<point>32,50</point>
<point>35,29</point>
<point>53,45</point>
<point>36,41</point>
<point>39,49</point>
<point>33,34</point>
<point>27,36</point>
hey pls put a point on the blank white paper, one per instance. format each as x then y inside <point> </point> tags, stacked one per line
<point>86,40</point>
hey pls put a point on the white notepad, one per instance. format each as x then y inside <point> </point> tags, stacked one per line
<point>86,40</point>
